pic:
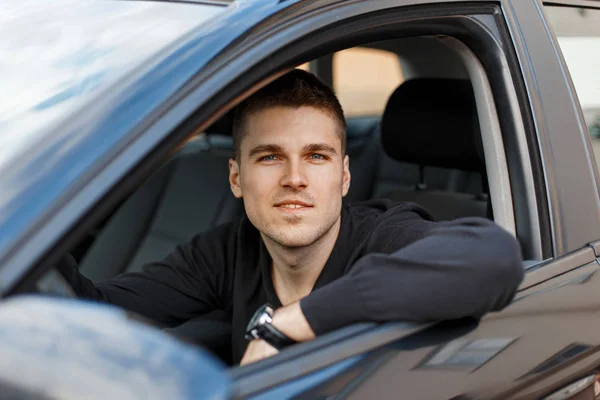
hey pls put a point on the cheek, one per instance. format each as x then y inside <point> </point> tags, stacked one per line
<point>257,184</point>
<point>329,180</point>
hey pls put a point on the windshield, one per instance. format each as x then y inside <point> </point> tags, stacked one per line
<point>56,55</point>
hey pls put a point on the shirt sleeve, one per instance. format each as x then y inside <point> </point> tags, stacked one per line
<point>187,283</point>
<point>423,271</point>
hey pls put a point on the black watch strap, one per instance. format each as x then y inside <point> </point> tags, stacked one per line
<point>260,327</point>
<point>274,336</point>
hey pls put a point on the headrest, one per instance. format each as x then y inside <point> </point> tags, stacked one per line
<point>433,122</point>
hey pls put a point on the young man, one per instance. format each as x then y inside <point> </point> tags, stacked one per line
<point>319,265</point>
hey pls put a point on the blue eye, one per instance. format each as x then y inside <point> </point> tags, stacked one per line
<point>269,158</point>
<point>317,157</point>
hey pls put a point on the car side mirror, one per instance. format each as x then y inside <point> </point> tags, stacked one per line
<point>70,349</point>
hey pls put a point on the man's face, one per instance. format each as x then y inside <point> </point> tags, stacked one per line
<point>291,174</point>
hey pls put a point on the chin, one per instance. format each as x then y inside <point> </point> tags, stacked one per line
<point>294,234</point>
<point>294,242</point>
<point>298,238</point>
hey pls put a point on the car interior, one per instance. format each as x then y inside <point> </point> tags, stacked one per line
<point>413,136</point>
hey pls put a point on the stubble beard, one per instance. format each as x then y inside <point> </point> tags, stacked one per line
<point>294,237</point>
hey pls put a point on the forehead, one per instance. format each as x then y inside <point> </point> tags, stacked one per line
<point>290,127</point>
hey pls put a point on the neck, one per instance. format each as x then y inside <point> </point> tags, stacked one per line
<point>296,269</point>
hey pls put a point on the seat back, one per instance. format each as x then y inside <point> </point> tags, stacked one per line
<point>432,123</point>
<point>188,195</point>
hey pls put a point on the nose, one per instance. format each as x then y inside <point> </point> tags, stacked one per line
<point>293,176</point>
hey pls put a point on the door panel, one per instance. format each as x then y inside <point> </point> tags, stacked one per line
<point>547,339</point>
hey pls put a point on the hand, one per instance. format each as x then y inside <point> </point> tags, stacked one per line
<point>291,321</point>
<point>257,350</point>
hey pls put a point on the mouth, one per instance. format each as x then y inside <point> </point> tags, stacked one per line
<point>293,205</point>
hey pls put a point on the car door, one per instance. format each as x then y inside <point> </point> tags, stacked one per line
<point>511,353</point>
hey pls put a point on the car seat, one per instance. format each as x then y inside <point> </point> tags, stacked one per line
<point>433,123</point>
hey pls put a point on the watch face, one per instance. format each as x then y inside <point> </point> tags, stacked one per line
<point>255,320</point>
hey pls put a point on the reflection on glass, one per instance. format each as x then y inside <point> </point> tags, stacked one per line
<point>60,54</point>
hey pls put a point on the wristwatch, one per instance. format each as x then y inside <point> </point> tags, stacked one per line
<point>261,327</point>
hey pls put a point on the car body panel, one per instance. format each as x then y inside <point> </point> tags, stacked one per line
<point>528,350</point>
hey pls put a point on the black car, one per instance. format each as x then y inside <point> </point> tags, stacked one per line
<point>115,131</point>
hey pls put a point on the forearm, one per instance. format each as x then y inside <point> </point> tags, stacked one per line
<point>464,268</point>
<point>162,293</point>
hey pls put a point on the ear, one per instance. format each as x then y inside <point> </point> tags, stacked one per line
<point>346,176</point>
<point>234,178</point>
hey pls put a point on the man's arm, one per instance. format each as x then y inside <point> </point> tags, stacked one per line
<point>184,285</point>
<point>461,268</point>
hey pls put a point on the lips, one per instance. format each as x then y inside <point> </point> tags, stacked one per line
<point>292,204</point>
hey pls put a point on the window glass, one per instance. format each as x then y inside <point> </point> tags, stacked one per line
<point>364,79</point>
<point>578,33</point>
<point>64,52</point>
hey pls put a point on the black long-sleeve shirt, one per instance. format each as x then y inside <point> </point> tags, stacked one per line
<point>389,263</point>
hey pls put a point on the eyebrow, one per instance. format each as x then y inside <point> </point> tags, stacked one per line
<point>319,147</point>
<point>275,148</point>
<point>265,148</point>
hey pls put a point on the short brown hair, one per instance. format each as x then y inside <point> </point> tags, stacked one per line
<point>295,89</point>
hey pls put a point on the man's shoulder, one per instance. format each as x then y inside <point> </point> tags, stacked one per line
<point>385,226</point>
<point>386,209</point>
